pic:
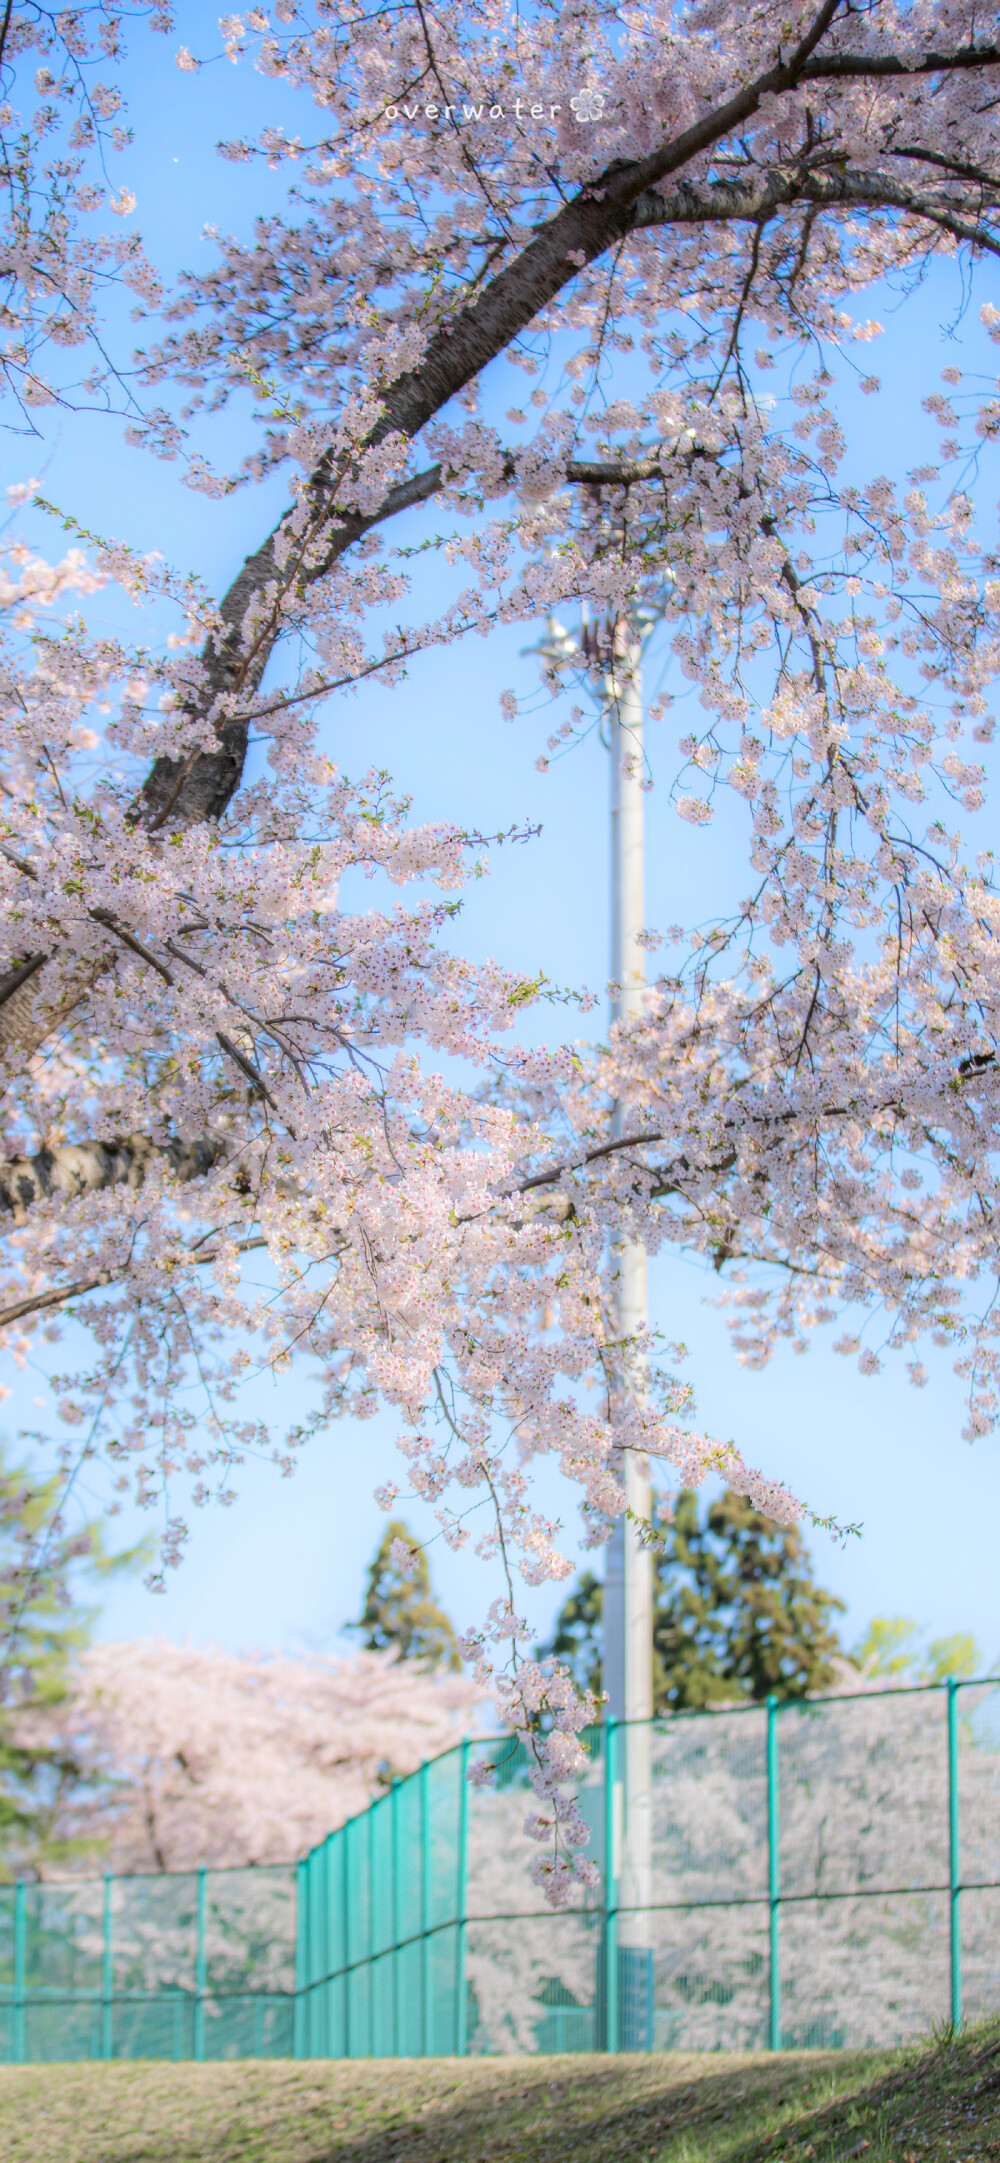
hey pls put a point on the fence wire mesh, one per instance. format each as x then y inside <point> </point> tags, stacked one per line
<point>193,1965</point>
<point>819,1875</point>
<point>824,1874</point>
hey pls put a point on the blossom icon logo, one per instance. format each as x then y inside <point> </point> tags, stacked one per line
<point>588,105</point>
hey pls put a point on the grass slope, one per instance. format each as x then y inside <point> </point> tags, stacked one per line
<point>940,2104</point>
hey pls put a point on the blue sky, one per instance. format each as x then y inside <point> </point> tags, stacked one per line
<point>285,1565</point>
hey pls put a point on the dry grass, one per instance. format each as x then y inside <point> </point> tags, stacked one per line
<point>936,2105</point>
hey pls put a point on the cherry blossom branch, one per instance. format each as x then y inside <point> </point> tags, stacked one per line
<point>753,203</point>
<point>459,350</point>
<point>855,67</point>
<point>75,1168</point>
<point>59,1295</point>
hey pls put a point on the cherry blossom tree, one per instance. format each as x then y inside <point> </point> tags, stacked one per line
<point>200,1758</point>
<point>208,1056</point>
<point>66,247</point>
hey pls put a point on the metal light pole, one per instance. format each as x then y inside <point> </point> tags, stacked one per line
<point>615,665</point>
<point>628,1652</point>
<point>628,1583</point>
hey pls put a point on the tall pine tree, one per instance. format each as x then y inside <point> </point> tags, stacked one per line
<point>400,1613</point>
<point>738,1614</point>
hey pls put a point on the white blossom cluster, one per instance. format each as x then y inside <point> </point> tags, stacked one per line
<point>192,1758</point>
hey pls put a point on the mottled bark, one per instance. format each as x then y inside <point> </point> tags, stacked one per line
<point>87,1167</point>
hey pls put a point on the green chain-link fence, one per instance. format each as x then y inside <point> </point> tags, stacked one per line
<point>198,1964</point>
<point>820,1874</point>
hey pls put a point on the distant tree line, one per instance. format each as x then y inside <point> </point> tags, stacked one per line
<point>738,1616</point>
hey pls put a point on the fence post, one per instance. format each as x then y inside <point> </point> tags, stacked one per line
<point>372,1807</point>
<point>20,1965</point>
<point>396,1975</point>
<point>319,1924</point>
<point>200,1969</point>
<point>426,2025</point>
<point>107,1972</point>
<point>774,1870</point>
<point>461,2009</point>
<point>350,1933</point>
<point>954,1857</point>
<point>302,1976</point>
<point>610,1889</point>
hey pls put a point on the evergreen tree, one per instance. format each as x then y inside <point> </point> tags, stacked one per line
<point>577,1637</point>
<point>43,1628</point>
<point>737,1612</point>
<point>400,1613</point>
